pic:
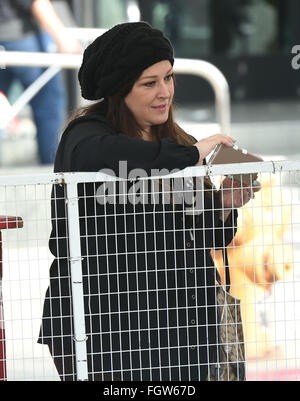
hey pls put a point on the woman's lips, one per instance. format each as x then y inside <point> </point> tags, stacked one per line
<point>161,107</point>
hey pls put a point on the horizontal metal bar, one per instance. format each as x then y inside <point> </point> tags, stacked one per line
<point>33,179</point>
<point>36,59</point>
<point>195,171</point>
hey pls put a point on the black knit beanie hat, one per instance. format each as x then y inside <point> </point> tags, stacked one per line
<point>120,56</point>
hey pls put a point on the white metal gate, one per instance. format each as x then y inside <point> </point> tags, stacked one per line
<point>264,264</point>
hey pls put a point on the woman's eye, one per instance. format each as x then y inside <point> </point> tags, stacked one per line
<point>150,84</point>
<point>169,77</point>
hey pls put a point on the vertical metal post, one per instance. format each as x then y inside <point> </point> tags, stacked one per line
<point>6,222</point>
<point>3,372</point>
<point>80,337</point>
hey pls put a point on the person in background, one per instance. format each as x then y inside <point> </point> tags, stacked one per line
<point>34,26</point>
<point>172,20</point>
<point>229,19</point>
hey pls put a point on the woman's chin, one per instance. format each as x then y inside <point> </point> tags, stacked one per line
<point>159,120</point>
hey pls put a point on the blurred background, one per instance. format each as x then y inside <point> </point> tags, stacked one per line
<point>250,41</point>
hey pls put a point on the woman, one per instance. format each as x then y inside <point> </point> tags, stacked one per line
<point>149,279</point>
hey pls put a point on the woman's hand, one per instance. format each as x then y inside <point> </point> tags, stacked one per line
<point>234,195</point>
<point>207,145</point>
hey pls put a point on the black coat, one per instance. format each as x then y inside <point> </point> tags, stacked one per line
<point>149,278</point>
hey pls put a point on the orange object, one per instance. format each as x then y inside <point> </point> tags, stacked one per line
<point>258,258</point>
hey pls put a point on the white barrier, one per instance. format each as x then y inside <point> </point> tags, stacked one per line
<point>264,265</point>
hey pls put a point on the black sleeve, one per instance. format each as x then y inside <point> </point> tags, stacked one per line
<point>105,151</point>
<point>224,231</point>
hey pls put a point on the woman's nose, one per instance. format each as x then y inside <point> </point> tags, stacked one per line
<point>164,90</point>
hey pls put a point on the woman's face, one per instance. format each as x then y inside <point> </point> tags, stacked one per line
<point>151,96</point>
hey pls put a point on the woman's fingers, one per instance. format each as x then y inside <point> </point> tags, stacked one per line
<point>256,186</point>
<point>207,145</point>
<point>234,194</point>
<point>222,139</point>
<point>229,182</point>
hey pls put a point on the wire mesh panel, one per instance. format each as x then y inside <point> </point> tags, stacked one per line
<point>134,284</point>
<point>25,270</point>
